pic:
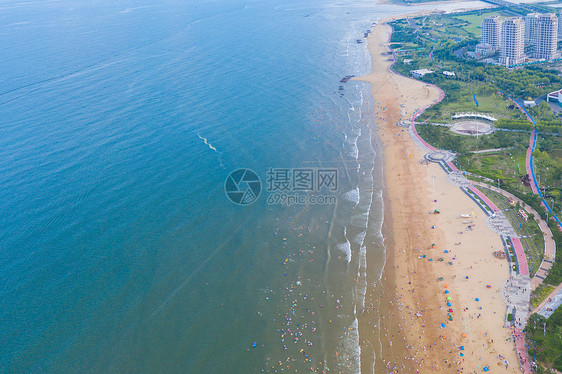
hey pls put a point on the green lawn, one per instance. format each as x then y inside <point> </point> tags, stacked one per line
<point>495,104</point>
<point>502,165</point>
<point>462,100</point>
<point>548,165</point>
<point>538,295</point>
<point>462,26</point>
<point>475,22</point>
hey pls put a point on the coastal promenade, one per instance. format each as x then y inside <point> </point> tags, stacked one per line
<point>517,288</point>
<point>549,244</point>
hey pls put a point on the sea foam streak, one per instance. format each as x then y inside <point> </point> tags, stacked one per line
<point>352,196</point>
<point>346,249</point>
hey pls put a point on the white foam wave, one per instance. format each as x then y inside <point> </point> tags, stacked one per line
<point>208,144</point>
<point>359,238</point>
<point>362,277</point>
<point>211,147</point>
<point>352,349</point>
<point>353,151</point>
<point>352,195</point>
<point>346,249</point>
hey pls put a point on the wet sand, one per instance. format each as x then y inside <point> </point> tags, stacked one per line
<point>413,302</point>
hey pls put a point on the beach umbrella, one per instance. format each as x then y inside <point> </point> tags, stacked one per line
<point>446,291</point>
<point>477,299</point>
<point>448,304</point>
<point>446,251</point>
<point>462,347</point>
<point>445,285</point>
<point>462,354</point>
<point>442,325</point>
<point>488,286</point>
<point>464,335</point>
<point>486,368</point>
<point>449,298</point>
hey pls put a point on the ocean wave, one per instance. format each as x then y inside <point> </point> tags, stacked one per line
<point>353,152</point>
<point>352,196</point>
<point>359,238</point>
<point>350,358</point>
<point>362,277</point>
<point>346,249</point>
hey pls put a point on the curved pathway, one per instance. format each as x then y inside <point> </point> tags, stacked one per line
<point>549,244</point>
<point>529,163</point>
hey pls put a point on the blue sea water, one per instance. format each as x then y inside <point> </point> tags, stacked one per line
<point>119,124</point>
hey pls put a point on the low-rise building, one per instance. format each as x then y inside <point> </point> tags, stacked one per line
<point>449,73</point>
<point>555,96</point>
<point>420,72</point>
<point>485,50</point>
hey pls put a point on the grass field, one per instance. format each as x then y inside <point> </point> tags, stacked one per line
<point>495,104</point>
<point>502,165</point>
<point>487,104</point>
<point>475,22</point>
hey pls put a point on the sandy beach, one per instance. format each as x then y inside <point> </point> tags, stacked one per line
<point>431,257</point>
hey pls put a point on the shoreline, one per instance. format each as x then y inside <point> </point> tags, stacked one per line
<point>413,304</point>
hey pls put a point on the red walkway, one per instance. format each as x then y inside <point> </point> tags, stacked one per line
<point>520,350</point>
<point>521,258</point>
<point>484,198</point>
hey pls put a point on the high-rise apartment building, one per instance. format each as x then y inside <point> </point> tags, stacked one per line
<point>491,31</point>
<point>512,49</point>
<point>530,27</point>
<point>546,36</point>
